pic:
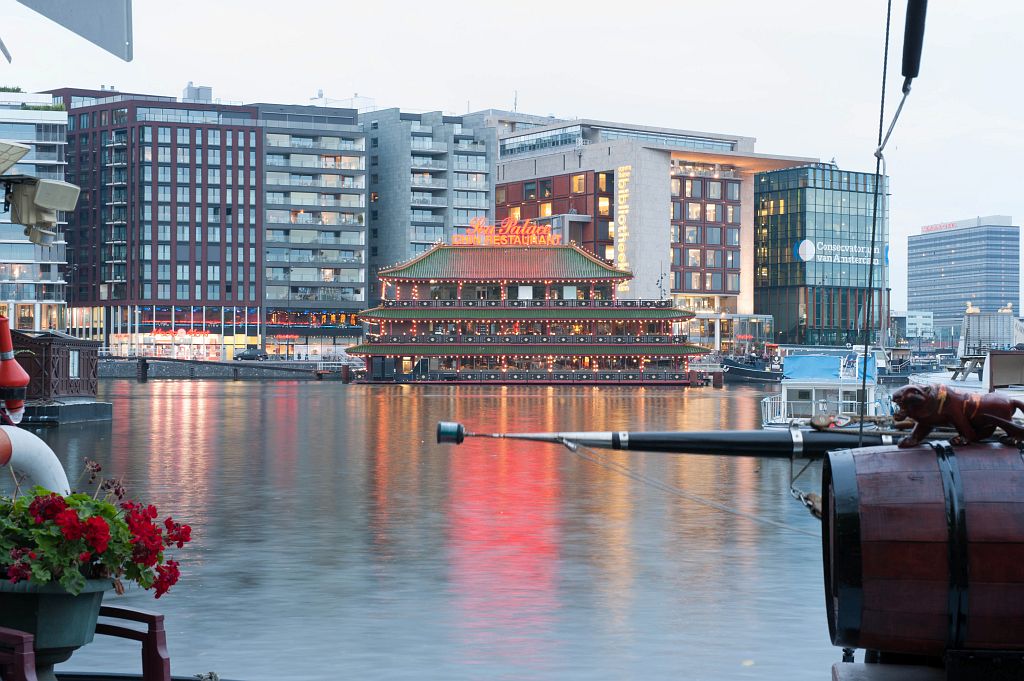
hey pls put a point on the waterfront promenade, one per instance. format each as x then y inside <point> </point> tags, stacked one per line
<point>334,539</point>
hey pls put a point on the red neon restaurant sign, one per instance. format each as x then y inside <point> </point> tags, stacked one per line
<point>510,232</point>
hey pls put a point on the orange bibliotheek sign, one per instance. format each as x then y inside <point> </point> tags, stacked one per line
<point>510,232</point>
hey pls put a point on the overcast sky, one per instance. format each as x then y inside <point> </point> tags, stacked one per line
<point>802,76</point>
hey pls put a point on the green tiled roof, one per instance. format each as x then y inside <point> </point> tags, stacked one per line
<point>560,350</point>
<point>531,313</point>
<point>505,263</point>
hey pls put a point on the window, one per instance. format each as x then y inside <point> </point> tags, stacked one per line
<point>545,209</point>
<point>692,281</point>
<point>714,190</point>
<point>693,257</point>
<point>604,182</point>
<point>604,205</point>
<point>712,281</point>
<point>579,184</point>
<point>713,212</point>
<point>713,235</point>
<point>732,215</point>
<point>732,281</point>
<point>677,211</point>
<point>692,235</point>
<point>545,188</point>
<point>692,211</point>
<point>732,259</point>
<point>530,191</point>
<point>609,252</point>
<point>693,189</point>
<point>676,186</point>
<point>713,258</point>
<point>499,195</point>
<point>732,191</point>
<point>732,236</point>
<point>513,212</point>
<point>74,372</point>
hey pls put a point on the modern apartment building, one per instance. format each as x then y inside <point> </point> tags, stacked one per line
<point>676,207</point>
<point>813,254</point>
<point>164,249</point>
<point>315,267</point>
<point>430,176</point>
<point>32,292</point>
<point>953,264</point>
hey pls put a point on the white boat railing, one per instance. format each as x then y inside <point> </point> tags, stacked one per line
<point>775,409</point>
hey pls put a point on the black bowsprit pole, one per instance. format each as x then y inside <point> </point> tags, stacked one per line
<point>763,443</point>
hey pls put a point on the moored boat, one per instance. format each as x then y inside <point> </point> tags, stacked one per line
<point>750,370</point>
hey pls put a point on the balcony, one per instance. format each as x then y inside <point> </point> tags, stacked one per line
<point>470,146</point>
<point>418,182</point>
<point>662,304</point>
<point>441,203</point>
<point>512,339</point>
<point>420,129</point>
<point>429,148</point>
<point>426,217</point>
<point>429,165</point>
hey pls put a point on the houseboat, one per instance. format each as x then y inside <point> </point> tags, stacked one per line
<point>520,314</point>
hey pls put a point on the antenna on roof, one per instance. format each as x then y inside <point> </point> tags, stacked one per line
<point>515,100</point>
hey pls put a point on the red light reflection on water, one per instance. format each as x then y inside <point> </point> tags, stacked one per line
<point>504,544</point>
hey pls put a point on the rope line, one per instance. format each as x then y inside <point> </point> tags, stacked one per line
<point>594,457</point>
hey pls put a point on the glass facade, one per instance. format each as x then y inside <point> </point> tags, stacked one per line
<point>975,264</point>
<point>813,256</point>
<point>32,289</point>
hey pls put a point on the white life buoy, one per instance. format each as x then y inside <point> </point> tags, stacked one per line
<point>32,458</point>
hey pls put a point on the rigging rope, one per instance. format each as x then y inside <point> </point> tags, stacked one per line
<point>595,457</point>
<point>869,314</point>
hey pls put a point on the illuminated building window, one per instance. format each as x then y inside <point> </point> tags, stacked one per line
<point>604,182</point>
<point>609,252</point>
<point>676,186</point>
<point>530,191</point>
<point>513,212</point>
<point>693,257</point>
<point>732,215</point>
<point>579,184</point>
<point>693,188</point>
<point>545,209</point>
<point>692,211</point>
<point>545,188</point>
<point>692,235</point>
<point>604,205</point>
<point>713,212</point>
<point>692,280</point>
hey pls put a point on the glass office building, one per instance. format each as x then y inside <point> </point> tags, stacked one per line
<point>813,254</point>
<point>953,264</point>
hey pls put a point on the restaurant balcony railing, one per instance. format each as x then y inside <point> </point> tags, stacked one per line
<point>641,302</point>
<point>510,376</point>
<point>521,339</point>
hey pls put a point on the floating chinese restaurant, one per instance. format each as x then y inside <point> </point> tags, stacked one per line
<point>520,314</point>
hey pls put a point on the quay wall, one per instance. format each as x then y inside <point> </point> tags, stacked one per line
<point>156,369</point>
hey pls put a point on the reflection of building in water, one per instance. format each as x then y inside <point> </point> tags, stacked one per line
<point>519,314</point>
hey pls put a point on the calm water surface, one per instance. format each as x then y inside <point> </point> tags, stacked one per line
<point>334,539</point>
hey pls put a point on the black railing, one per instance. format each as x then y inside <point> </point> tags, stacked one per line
<point>665,304</point>
<point>512,339</point>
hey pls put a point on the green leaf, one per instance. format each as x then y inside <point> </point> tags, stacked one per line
<point>41,574</point>
<point>73,582</point>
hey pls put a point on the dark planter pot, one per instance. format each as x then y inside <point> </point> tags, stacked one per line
<point>60,622</point>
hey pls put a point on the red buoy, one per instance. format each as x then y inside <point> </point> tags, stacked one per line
<point>13,378</point>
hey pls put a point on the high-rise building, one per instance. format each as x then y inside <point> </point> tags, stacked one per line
<point>315,229</point>
<point>813,254</point>
<point>31,283</point>
<point>430,175</point>
<point>676,207</point>
<point>165,246</point>
<point>953,264</point>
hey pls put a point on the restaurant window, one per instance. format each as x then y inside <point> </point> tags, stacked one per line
<point>530,191</point>
<point>513,212</point>
<point>714,190</point>
<point>545,189</point>
<point>693,188</point>
<point>579,184</point>
<point>499,195</point>
<point>545,209</point>
<point>604,205</point>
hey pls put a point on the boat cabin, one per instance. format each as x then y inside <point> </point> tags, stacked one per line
<point>828,385</point>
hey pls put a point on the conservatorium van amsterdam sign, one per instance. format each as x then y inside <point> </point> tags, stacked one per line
<point>510,232</point>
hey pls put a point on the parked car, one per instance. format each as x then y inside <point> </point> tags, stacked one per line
<point>253,354</point>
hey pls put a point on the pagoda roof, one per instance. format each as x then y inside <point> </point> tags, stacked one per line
<point>559,350</point>
<point>567,314</point>
<point>504,263</point>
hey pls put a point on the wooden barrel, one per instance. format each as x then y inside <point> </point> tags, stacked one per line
<point>923,548</point>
